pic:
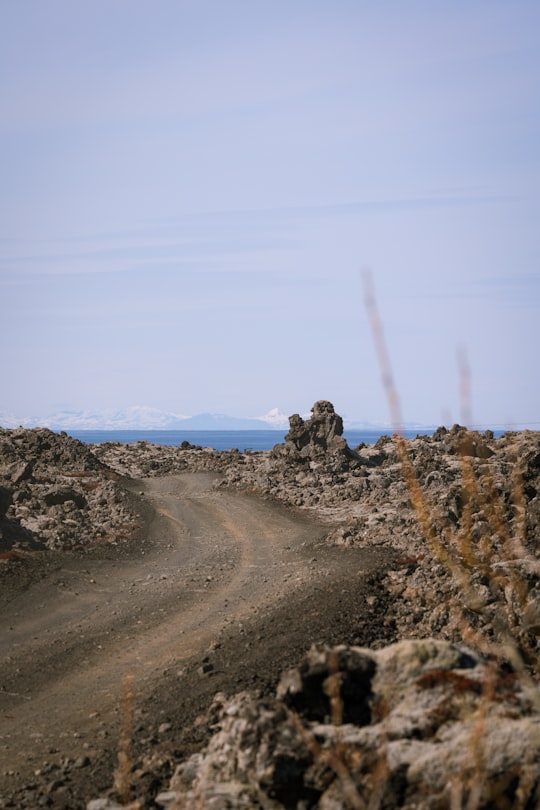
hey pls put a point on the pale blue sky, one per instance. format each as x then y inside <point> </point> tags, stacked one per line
<point>190,190</point>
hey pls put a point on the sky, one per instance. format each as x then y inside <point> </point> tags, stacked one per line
<point>192,190</point>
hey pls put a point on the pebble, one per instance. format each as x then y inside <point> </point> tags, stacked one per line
<point>166,798</point>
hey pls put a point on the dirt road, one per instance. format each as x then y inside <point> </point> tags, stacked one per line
<point>210,565</point>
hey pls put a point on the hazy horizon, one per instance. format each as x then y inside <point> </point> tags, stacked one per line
<point>190,191</point>
<point>150,419</point>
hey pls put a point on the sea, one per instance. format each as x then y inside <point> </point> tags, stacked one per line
<point>242,440</point>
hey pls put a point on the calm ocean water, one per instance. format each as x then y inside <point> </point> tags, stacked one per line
<point>221,439</point>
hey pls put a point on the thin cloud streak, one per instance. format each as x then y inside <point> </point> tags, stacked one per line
<point>137,252</point>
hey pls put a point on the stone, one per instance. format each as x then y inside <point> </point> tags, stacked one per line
<point>64,496</point>
<point>20,471</point>
<point>104,804</point>
<point>166,798</point>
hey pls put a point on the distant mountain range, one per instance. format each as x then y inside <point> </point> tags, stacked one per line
<point>145,418</point>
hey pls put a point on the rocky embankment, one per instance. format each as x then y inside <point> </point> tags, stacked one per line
<point>55,494</point>
<point>424,723</point>
<point>463,507</point>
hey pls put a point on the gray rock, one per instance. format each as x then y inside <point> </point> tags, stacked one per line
<point>104,804</point>
<point>438,723</point>
<point>20,471</point>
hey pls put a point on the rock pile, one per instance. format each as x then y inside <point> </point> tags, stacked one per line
<point>419,724</point>
<point>55,494</point>
<point>146,460</point>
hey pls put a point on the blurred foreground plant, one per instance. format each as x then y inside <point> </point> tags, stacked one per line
<point>492,550</point>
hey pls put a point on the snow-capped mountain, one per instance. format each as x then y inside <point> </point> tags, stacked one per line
<point>275,419</point>
<point>140,417</point>
<point>133,418</point>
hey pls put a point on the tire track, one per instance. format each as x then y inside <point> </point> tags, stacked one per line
<point>217,558</point>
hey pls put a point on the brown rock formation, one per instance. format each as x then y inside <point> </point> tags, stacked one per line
<point>320,436</point>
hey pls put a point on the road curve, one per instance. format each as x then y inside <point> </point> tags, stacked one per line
<point>210,558</point>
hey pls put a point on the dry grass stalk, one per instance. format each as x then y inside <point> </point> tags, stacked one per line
<point>331,758</point>
<point>478,777</point>
<point>333,689</point>
<point>459,550</point>
<point>344,760</point>
<point>464,553</point>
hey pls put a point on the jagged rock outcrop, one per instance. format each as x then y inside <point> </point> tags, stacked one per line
<point>419,724</point>
<point>320,436</point>
<point>323,433</point>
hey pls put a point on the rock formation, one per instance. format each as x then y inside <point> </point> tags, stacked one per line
<point>323,433</point>
<point>317,438</point>
<point>419,724</point>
